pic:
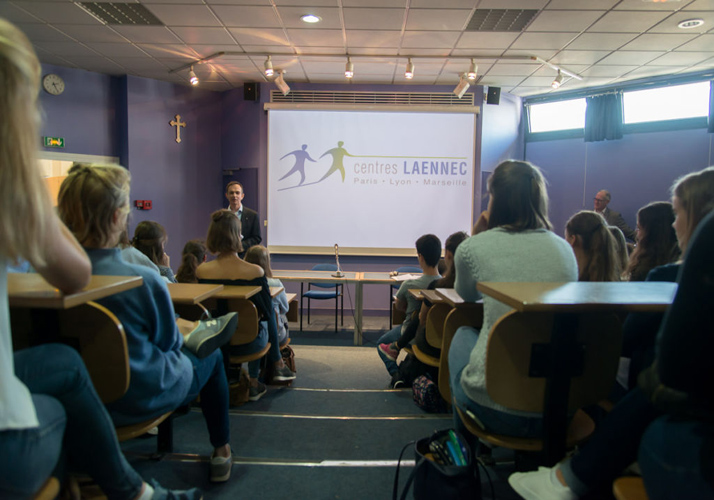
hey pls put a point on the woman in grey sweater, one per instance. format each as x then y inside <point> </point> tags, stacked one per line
<point>512,241</point>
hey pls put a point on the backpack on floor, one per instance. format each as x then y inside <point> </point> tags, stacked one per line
<point>427,396</point>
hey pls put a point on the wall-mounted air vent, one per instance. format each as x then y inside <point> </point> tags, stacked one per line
<point>121,13</point>
<point>373,98</point>
<point>501,20</point>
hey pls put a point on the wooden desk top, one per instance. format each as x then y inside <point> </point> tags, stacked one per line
<point>432,296</point>
<point>376,277</point>
<point>417,293</point>
<point>31,290</point>
<point>308,275</point>
<point>582,296</point>
<point>192,293</point>
<point>275,291</point>
<point>450,296</point>
<point>237,292</point>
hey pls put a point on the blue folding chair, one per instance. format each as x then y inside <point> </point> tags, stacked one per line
<point>337,293</point>
<point>393,288</point>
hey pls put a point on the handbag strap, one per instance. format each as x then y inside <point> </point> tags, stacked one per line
<point>396,474</point>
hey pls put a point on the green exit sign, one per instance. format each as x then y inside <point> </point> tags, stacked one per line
<point>54,142</point>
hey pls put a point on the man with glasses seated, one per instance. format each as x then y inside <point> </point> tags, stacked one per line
<point>602,198</point>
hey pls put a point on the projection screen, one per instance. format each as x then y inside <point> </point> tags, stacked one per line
<point>371,181</point>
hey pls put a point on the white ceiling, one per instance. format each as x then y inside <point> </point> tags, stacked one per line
<point>604,41</point>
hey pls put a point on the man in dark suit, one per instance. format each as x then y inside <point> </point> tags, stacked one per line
<point>602,198</point>
<point>250,227</point>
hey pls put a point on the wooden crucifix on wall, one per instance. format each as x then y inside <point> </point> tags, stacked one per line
<point>176,122</point>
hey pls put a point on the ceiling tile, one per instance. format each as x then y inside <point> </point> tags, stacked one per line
<point>651,5</point>
<point>365,38</point>
<point>603,70</point>
<point>60,13</point>
<point>149,2</point>
<point>429,39</point>
<point>98,65</point>
<point>66,49</point>
<point>564,20</point>
<point>372,51</point>
<point>185,15</point>
<point>203,35</point>
<point>316,38</point>
<point>246,16</point>
<point>512,4</point>
<point>147,34</point>
<point>539,81</point>
<point>482,54</point>
<point>407,51</point>
<point>139,63</point>
<point>269,49</point>
<point>534,41</point>
<point>700,5</point>
<point>312,3</point>
<point>510,69</point>
<point>15,14</point>
<point>290,17</point>
<point>703,42</point>
<point>43,33</point>
<point>264,36</point>
<point>486,40</point>
<point>544,54</point>
<point>566,57</point>
<point>374,19</point>
<point>118,49</point>
<point>630,57</point>
<point>681,58</point>
<point>647,71</point>
<point>669,25</point>
<point>581,4</point>
<point>371,3</point>
<point>501,80</point>
<point>47,58</point>
<point>658,41</point>
<point>600,41</point>
<point>173,50</point>
<point>627,22</point>
<point>432,19</point>
<point>208,50</point>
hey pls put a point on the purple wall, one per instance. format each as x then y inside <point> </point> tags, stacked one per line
<point>84,114</point>
<point>179,179</point>
<point>637,169</point>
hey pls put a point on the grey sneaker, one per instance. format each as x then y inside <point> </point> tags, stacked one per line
<point>255,393</point>
<point>284,374</point>
<point>221,469</point>
<point>210,334</point>
<point>161,493</point>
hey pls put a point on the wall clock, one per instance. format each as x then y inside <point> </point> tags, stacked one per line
<point>53,84</point>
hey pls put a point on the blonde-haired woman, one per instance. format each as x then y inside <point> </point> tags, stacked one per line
<point>165,374</point>
<point>49,410</point>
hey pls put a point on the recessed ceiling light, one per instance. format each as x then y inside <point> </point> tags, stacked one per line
<point>311,18</point>
<point>690,23</point>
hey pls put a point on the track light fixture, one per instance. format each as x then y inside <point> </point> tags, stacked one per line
<point>558,80</point>
<point>409,73</point>
<point>473,70</point>
<point>462,87</point>
<point>268,65</point>
<point>349,68</point>
<point>192,78</point>
<point>280,83</point>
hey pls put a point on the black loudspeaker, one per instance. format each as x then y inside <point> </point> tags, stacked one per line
<point>251,91</point>
<point>494,95</point>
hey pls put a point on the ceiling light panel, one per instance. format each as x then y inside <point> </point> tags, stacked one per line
<point>500,19</point>
<point>122,13</point>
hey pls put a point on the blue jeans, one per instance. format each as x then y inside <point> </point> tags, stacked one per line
<point>676,459</point>
<point>209,380</point>
<point>389,337</point>
<point>74,425</point>
<point>492,420</point>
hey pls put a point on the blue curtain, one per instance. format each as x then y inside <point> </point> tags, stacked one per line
<point>603,117</point>
<point>710,128</point>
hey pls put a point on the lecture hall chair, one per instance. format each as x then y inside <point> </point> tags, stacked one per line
<point>336,293</point>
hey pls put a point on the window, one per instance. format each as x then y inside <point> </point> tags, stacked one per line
<point>667,103</point>
<point>560,115</point>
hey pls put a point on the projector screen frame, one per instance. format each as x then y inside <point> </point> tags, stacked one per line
<point>370,251</point>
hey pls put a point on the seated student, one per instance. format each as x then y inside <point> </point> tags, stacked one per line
<point>94,203</point>
<point>194,254</point>
<point>684,346</point>
<point>416,330</point>
<point>224,240</point>
<point>428,249</point>
<point>513,243</point>
<point>656,240</point>
<point>50,414</point>
<point>150,239</point>
<point>623,258</point>
<point>258,255</point>
<point>594,247</point>
<point>693,198</point>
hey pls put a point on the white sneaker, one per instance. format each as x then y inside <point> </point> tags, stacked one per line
<point>540,485</point>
